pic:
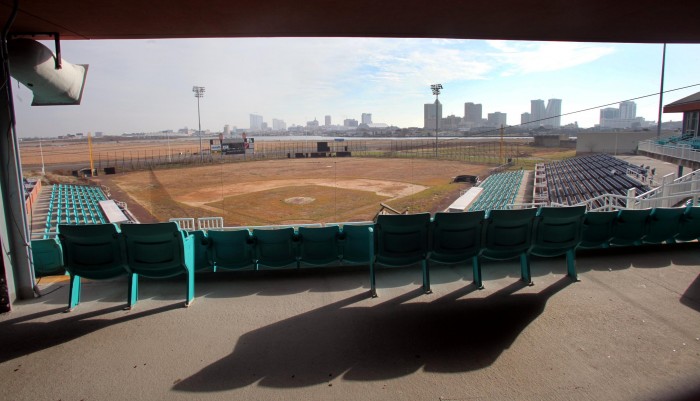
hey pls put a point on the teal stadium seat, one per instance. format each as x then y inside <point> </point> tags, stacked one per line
<point>457,238</point>
<point>276,248</point>
<point>597,229</point>
<point>231,250</point>
<point>508,235</point>
<point>356,241</point>
<point>664,225</point>
<point>95,252</point>
<point>158,251</point>
<point>630,227</point>
<point>689,229</point>
<point>47,257</point>
<point>319,245</point>
<point>202,257</point>
<point>558,231</point>
<point>401,240</point>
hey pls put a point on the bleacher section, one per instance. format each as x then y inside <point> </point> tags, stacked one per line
<point>575,180</point>
<point>499,191</point>
<point>73,204</point>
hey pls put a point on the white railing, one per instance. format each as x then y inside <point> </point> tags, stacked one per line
<point>685,152</point>
<point>185,223</point>
<point>206,223</point>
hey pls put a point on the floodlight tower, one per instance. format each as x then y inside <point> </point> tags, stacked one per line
<point>436,91</point>
<point>199,93</point>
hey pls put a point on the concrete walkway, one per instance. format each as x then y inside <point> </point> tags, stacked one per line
<point>629,330</point>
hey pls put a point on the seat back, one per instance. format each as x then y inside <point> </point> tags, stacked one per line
<point>319,245</point>
<point>202,257</point>
<point>630,227</point>
<point>92,251</point>
<point>664,224</point>
<point>557,230</point>
<point>597,229</point>
<point>231,249</point>
<point>157,250</point>
<point>689,229</point>
<point>508,233</point>
<point>456,237</point>
<point>47,257</point>
<point>401,239</point>
<point>276,248</point>
<point>356,241</point>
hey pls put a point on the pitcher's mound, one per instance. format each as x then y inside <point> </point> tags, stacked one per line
<point>299,200</point>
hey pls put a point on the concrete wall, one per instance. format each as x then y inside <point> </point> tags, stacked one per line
<point>613,142</point>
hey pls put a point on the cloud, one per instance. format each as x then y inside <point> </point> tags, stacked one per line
<point>519,58</point>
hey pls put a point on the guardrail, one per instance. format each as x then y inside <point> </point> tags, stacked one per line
<point>685,152</point>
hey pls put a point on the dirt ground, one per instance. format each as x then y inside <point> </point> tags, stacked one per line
<point>254,193</point>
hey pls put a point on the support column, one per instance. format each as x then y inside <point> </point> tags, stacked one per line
<point>18,270</point>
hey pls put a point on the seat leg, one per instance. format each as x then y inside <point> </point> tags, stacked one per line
<point>372,281</point>
<point>571,264</point>
<point>476,267</point>
<point>190,287</point>
<point>426,277</point>
<point>525,268</point>
<point>74,292</point>
<point>133,289</point>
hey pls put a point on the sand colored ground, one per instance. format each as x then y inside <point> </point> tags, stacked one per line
<point>230,189</point>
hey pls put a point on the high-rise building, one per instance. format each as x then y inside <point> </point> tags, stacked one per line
<point>350,122</point>
<point>256,122</point>
<point>525,119</point>
<point>472,113</point>
<point>628,109</point>
<point>227,130</point>
<point>553,113</point>
<point>366,118</point>
<point>537,112</point>
<point>279,125</point>
<point>496,119</point>
<point>429,117</point>
<point>328,121</point>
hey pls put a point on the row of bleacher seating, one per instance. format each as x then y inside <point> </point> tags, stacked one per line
<point>576,180</point>
<point>73,204</point>
<point>688,140</point>
<point>500,191</point>
<point>163,250</point>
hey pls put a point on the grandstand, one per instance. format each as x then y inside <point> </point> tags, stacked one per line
<point>499,191</point>
<point>70,204</point>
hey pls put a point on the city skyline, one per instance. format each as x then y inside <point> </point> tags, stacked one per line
<point>144,85</point>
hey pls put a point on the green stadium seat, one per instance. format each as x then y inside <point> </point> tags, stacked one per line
<point>47,257</point>
<point>202,259</point>
<point>231,250</point>
<point>319,245</point>
<point>508,235</point>
<point>630,227</point>
<point>597,229</point>
<point>558,231</point>
<point>356,243</point>
<point>157,251</point>
<point>276,248</point>
<point>664,225</point>
<point>457,238</point>
<point>401,240</point>
<point>95,252</point>
<point>689,229</point>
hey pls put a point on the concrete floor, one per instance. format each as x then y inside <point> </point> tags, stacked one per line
<point>629,330</point>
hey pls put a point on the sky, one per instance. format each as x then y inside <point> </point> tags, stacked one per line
<point>146,85</point>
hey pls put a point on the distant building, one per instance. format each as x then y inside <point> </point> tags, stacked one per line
<point>366,118</point>
<point>553,113</point>
<point>328,121</point>
<point>537,112</point>
<point>350,122</point>
<point>525,119</point>
<point>472,113</point>
<point>497,119</point>
<point>227,130</point>
<point>98,134</point>
<point>312,124</point>
<point>451,122</point>
<point>278,125</point>
<point>256,122</point>
<point>628,109</point>
<point>609,113</point>
<point>429,117</point>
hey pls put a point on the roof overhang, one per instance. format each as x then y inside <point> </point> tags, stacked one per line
<point>681,108</point>
<point>634,21</point>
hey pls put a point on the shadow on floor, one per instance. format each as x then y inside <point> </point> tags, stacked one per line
<point>388,340</point>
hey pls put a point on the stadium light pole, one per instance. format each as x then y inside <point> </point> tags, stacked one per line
<point>199,93</point>
<point>436,91</point>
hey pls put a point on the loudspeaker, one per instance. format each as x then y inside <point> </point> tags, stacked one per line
<point>34,65</point>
